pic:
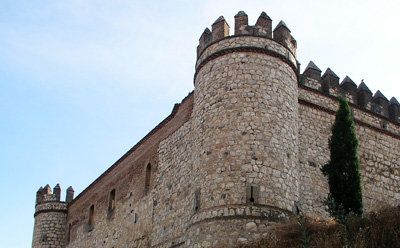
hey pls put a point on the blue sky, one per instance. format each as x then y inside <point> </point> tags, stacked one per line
<point>82,81</point>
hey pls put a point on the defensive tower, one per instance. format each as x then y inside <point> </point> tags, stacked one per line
<point>50,230</point>
<point>245,117</point>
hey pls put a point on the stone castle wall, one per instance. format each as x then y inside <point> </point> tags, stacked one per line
<point>379,153</point>
<point>236,157</point>
<point>131,223</point>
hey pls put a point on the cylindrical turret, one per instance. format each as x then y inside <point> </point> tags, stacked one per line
<point>245,116</point>
<point>50,219</point>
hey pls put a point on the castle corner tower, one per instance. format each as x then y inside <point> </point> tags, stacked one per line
<point>246,112</point>
<point>50,218</point>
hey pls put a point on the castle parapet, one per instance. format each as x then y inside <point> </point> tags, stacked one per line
<point>46,194</point>
<point>360,95</point>
<point>262,28</point>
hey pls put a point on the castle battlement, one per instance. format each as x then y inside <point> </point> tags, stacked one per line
<point>238,156</point>
<point>46,194</point>
<point>360,95</point>
<point>263,28</point>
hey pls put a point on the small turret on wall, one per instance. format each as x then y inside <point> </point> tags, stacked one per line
<point>51,217</point>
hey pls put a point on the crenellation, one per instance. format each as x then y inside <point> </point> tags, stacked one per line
<point>47,190</point>
<point>282,35</point>
<point>239,156</point>
<point>312,71</point>
<point>364,95</point>
<point>360,95</point>
<point>57,192</point>
<point>264,25</point>
<point>394,109</point>
<point>39,195</point>
<point>241,22</point>
<point>70,194</point>
<point>379,104</point>
<point>349,89</point>
<point>204,41</point>
<point>220,29</point>
<point>330,81</point>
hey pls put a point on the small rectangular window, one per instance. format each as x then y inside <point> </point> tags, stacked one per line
<point>111,201</point>
<point>196,206</point>
<point>91,218</point>
<point>147,179</point>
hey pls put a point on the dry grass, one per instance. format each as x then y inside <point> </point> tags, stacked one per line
<point>377,229</point>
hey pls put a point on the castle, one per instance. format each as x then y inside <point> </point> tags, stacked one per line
<point>239,155</point>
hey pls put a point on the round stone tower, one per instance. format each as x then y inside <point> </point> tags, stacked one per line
<point>246,121</point>
<point>50,218</point>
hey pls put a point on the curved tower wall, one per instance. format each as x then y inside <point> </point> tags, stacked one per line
<point>245,120</point>
<point>50,230</point>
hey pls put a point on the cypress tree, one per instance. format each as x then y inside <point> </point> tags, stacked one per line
<point>343,169</point>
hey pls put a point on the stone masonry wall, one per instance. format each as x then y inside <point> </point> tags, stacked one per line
<point>52,226</point>
<point>130,223</point>
<point>379,151</point>
<point>244,121</point>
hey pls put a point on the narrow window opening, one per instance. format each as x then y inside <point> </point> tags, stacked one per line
<point>196,200</point>
<point>135,218</point>
<point>69,233</point>
<point>252,193</point>
<point>91,218</point>
<point>43,237</point>
<point>111,201</point>
<point>147,178</point>
<point>384,125</point>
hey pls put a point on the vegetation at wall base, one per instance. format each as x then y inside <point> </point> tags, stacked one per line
<point>376,229</point>
<point>343,169</point>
